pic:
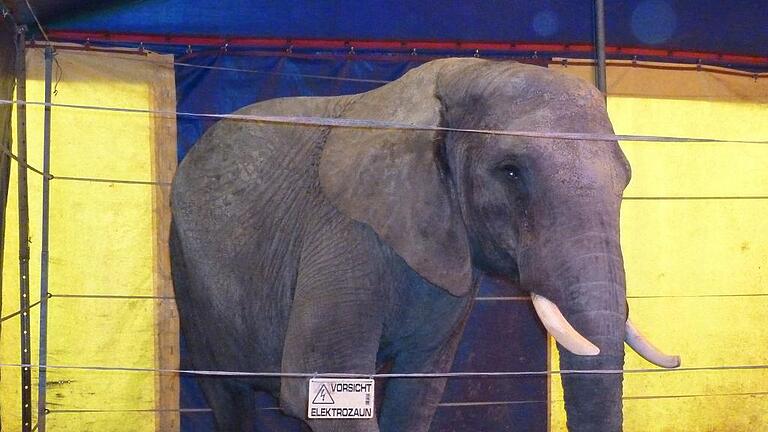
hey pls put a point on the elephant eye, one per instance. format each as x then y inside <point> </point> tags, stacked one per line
<point>511,171</point>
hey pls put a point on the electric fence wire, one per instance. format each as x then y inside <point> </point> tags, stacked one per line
<point>415,375</point>
<point>479,298</point>
<point>390,125</point>
<point>19,312</point>
<point>442,404</point>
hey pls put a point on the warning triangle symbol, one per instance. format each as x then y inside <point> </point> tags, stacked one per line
<point>323,396</point>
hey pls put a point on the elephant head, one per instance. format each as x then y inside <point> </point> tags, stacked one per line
<point>541,211</point>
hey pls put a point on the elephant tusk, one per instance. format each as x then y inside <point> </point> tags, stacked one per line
<point>561,329</point>
<point>642,346</point>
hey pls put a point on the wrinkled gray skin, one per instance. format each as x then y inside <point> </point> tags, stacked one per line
<point>309,249</point>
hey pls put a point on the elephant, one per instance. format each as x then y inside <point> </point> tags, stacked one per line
<point>302,248</point>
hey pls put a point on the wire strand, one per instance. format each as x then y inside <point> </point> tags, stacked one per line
<point>110,180</point>
<point>380,124</point>
<point>694,198</point>
<point>480,298</point>
<point>147,410</point>
<point>426,375</point>
<point>19,312</point>
<point>6,151</point>
<point>37,21</point>
<point>442,404</point>
<point>696,295</point>
<point>231,69</point>
<point>113,296</point>
<point>254,71</point>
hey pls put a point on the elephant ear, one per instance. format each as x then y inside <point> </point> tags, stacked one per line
<point>396,182</point>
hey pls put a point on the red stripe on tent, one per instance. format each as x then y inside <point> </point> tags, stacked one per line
<point>393,45</point>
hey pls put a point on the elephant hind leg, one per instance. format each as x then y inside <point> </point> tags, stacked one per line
<point>233,403</point>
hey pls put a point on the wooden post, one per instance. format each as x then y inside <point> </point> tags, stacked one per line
<point>166,315</point>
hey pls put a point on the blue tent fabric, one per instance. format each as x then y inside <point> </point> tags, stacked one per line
<point>693,25</point>
<point>500,335</point>
<point>224,91</point>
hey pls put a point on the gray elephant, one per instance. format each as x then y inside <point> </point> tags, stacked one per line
<point>326,249</point>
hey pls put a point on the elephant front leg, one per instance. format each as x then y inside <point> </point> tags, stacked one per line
<point>233,403</point>
<point>410,403</point>
<point>335,326</point>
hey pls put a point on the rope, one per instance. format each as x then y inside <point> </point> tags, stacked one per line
<point>425,375</point>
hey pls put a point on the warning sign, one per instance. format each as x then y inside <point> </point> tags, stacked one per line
<point>322,396</point>
<point>340,398</point>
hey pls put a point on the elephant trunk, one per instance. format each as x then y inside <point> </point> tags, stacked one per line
<point>594,303</point>
<point>584,279</point>
<point>593,401</point>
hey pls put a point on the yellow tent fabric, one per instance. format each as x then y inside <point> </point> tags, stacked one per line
<point>105,239</point>
<point>692,249</point>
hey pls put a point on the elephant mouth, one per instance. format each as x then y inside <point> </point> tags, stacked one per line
<point>564,333</point>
